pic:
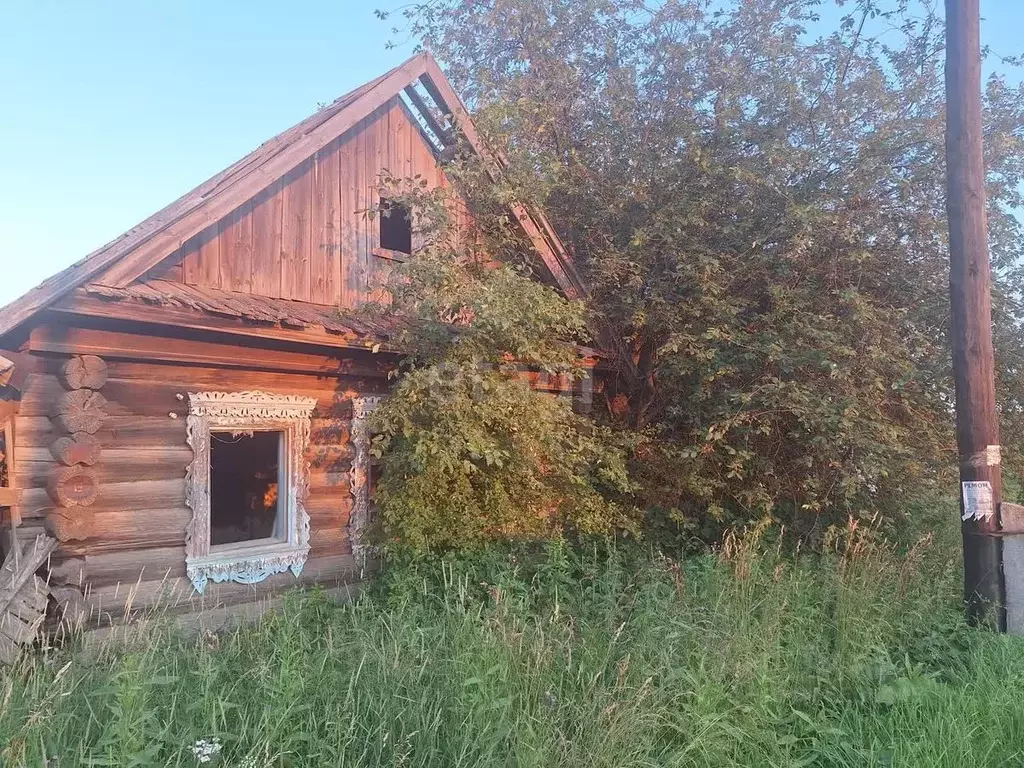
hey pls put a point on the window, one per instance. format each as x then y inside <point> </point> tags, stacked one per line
<point>246,486</point>
<point>395,226</point>
<point>244,481</point>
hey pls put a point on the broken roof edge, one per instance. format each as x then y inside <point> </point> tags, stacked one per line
<point>130,255</point>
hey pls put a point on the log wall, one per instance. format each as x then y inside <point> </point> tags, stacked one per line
<point>133,552</point>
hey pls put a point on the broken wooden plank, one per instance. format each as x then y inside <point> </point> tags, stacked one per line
<point>23,595</point>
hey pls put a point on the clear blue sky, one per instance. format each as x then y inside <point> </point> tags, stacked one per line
<point>110,109</point>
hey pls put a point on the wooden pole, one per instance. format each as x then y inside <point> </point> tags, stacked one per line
<point>977,427</point>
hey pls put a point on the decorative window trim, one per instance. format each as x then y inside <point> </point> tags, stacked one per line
<point>247,411</point>
<point>359,475</point>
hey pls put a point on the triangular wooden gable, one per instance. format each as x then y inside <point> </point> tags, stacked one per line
<point>306,237</point>
<point>225,233</point>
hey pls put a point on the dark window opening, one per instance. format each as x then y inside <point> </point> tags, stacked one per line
<point>245,486</point>
<point>395,226</point>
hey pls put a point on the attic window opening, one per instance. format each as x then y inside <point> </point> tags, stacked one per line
<point>395,226</point>
<point>429,117</point>
<point>245,480</point>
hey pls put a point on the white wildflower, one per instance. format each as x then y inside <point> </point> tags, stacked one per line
<point>205,750</point>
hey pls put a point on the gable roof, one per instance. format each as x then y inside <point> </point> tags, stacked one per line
<point>123,260</point>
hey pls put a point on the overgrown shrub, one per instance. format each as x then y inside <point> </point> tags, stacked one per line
<point>469,449</point>
<point>755,191</point>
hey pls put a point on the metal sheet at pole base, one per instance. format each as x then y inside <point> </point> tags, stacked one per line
<point>1013,571</point>
<point>983,579</point>
<point>1012,517</point>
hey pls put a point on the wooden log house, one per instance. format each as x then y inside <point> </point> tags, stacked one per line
<point>191,418</point>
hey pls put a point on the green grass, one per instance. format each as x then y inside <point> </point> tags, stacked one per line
<point>746,657</point>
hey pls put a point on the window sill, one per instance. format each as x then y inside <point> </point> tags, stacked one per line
<point>248,546</point>
<point>246,564</point>
<point>390,255</point>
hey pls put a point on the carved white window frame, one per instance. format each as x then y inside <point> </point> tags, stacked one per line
<point>244,412</point>
<point>359,475</point>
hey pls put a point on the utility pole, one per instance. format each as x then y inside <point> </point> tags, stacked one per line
<point>977,426</point>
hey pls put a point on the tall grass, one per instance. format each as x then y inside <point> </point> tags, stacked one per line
<point>747,657</point>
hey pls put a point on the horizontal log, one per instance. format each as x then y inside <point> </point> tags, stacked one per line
<point>330,431</point>
<point>159,398</point>
<point>128,529</point>
<point>144,494</point>
<point>114,345</point>
<point>328,504</point>
<point>209,377</point>
<point>117,465</point>
<point>67,570</point>
<point>329,481</point>
<point>128,567</point>
<point>137,432</point>
<point>114,602</point>
<point>329,459</point>
<point>69,524</point>
<point>324,542</point>
<point>73,486</point>
<point>120,465</point>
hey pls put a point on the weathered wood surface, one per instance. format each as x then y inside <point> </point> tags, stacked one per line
<point>73,487</point>
<point>62,340</point>
<point>209,620</point>
<point>72,605</point>
<point>79,448</point>
<point>84,372</point>
<point>70,570</point>
<point>15,367</point>
<point>117,599</point>
<point>160,237</point>
<point>135,529</point>
<point>22,596</point>
<point>70,524</point>
<point>80,411</point>
<point>316,219</point>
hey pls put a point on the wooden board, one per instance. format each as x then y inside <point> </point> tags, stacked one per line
<point>113,345</point>
<point>325,248</point>
<point>308,234</point>
<point>266,242</point>
<point>236,250</point>
<point>177,593</point>
<point>297,193</point>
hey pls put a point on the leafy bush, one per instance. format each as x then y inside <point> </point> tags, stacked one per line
<point>470,449</point>
<point>469,456</point>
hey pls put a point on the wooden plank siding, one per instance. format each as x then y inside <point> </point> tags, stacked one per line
<point>140,515</point>
<point>306,237</point>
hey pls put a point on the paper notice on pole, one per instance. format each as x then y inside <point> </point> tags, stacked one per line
<point>978,500</point>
